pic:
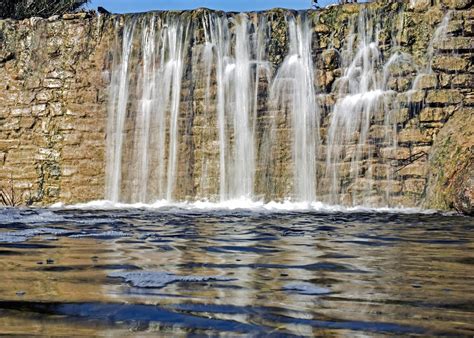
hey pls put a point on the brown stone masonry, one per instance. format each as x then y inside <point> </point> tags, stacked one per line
<point>53,104</point>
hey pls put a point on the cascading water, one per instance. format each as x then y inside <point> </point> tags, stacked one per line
<point>439,35</point>
<point>203,107</point>
<point>150,170</point>
<point>353,136</point>
<point>118,103</point>
<point>293,90</point>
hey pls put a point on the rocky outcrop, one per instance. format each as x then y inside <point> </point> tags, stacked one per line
<point>451,178</point>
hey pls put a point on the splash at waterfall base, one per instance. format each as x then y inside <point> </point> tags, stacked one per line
<point>367,104</point>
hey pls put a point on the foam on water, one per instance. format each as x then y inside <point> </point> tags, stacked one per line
<point>104,234</point>
<point>242,204</point>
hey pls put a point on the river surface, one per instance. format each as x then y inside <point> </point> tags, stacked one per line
<point>181,271</point>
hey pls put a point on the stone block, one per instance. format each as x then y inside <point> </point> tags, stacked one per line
<point>72,152</point>
<point>411,96</point>
<point>90,125</point>
<point>420,5</point>
<point>402,115</point>
<point>72,138</point>
<point>10,124</point>
<point>39,110</point>
<point>53,191</point>
<point>444,96</point>
<point>397,153</point>
<point>329,58</point>
<point>415,186</point>
<point>469,99</point>
<point>88,168</point>
<point>27,122</point>
<point>452,44</point>
<point>52,83</point>
<point>23,98</point>
<point>406,200</point>
<point>32,83</point>
<point>4,112</point>
<point>457,80</point>
<point>21,155</point>
<point>47,154</point>
<point>84,109</point>
<point>361,185</point>
<point>68,170</point>
<point>448,63</point>
<point>44,96</point>
<point>322,28</point>
<point>413,136</point>
<point>457,4</point>
<point>55,108</point>
<point>429,114</point>
<point>73,16</point>
<point>469,26</point>
<point>380,132</point>
<point>416,169</point>
<point>390,186</point>
<point>426,81</point>
<point>380,170</point>
<point>21,111</point>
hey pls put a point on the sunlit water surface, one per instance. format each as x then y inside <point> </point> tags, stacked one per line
<point>176,270</point>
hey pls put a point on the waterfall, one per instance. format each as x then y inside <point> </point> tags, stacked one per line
<point>217,106</point>
<point>118,103</point>
<point>236,100</point>
<point>156,109</point>
<point>293,90</point>
<point>438,35</point>
<point>360,94</point>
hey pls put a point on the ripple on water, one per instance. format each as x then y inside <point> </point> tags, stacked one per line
<point>306,289</point>
<point>24,235</point>
<point>296,272</point>
<point>159,279</point>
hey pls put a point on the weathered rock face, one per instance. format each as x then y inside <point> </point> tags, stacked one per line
<point>450,183</point>
<point>54,99</point>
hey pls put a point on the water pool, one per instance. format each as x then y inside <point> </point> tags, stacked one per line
<point>175,271</point>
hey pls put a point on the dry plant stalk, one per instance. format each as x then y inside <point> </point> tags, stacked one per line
<point>9,197</point>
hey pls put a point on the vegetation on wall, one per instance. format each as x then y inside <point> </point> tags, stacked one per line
<point>21,9</point>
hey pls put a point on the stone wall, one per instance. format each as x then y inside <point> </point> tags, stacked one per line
<point>435,152</point>
<point>53,103</point>
<point>53,108</point>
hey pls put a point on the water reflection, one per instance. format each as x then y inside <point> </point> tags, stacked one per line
<point>286,273</point>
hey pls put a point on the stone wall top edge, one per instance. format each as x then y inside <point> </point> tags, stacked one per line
<point>94,15</point>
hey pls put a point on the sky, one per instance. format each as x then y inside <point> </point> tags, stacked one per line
<point>130,6</point>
